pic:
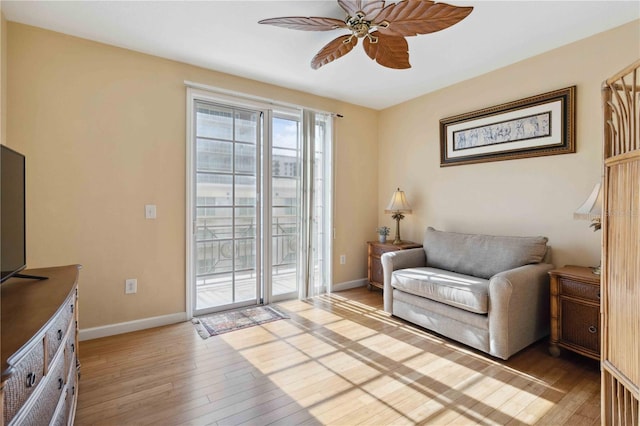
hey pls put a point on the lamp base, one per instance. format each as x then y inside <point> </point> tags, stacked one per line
<point>596,270</point>
<point>397,216</point>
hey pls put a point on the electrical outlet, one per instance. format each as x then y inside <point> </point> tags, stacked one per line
<point>131,286</point>
<point>150,211</point>
<point>343,259</point>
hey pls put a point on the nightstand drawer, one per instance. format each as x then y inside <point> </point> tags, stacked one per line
<point>380,250</point>
<point>376,271</point>
<point>569,287</point>
<point>377,249</point>
<point>575,311</point>
<point>581,325</point>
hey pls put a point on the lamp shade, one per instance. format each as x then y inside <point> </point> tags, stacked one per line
<point>398,203</point>
<point>592,207</point>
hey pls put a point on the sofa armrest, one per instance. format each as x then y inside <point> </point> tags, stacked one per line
<point>401,259</point>
<point>518,308</point>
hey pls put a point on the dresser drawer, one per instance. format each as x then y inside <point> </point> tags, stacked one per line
<point>70,350</point>
<point>67,400</point>
<point>59,327</point>
<point>72,389</point>
<point>61,416</point>
<point>40,410</point>
<point>26,376</point>
<point>569,287</point>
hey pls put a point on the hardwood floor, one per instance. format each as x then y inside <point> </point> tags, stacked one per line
<point>339,360</point>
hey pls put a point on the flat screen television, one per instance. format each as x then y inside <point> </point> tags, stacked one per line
<point>13,256</point>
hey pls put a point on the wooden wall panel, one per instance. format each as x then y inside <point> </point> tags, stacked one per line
<point>621,255</point>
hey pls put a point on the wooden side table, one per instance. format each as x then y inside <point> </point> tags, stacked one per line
<point>575,311</point>
<point>377,249</point>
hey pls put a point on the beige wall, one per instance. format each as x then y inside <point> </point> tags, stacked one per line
<point>103,130</point>
<point>534,196</point>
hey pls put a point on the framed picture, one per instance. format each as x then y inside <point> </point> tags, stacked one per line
<point>531,127</point>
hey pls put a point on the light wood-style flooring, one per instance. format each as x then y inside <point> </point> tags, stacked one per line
<point>339,360</point>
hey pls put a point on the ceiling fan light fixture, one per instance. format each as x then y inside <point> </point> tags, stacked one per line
<point>383,28</point>
<point>358,25</point>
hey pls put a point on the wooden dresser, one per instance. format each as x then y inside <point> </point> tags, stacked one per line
<point>39,348</point>
<point>575,311</point>
<point>377,249</point>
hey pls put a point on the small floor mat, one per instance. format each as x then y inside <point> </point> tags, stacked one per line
<point>224,322</point>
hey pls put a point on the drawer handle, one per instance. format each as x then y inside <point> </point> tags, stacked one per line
<point>60,383</point>
<point>72,308</point>
<point>73,347</point>
<point>59,334</point>
<point>73,390</point>
<point>31,379</point>
<point>593,329</point>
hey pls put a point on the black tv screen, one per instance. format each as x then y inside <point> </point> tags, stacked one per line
<point>12,212</point>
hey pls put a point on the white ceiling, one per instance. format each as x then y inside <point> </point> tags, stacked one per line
<point>225,36</point>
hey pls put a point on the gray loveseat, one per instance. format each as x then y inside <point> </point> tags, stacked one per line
<point>488,292</point>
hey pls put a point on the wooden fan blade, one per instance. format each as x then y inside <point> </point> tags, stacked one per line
<point>388,51</point>
<point>334,50</point>
<point>305,24</point>
<point>370,8</point>
<point>412,17</point>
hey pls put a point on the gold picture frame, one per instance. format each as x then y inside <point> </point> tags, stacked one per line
<point>531,127</point>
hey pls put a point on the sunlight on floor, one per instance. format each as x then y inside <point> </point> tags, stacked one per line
<point>338,360</point>
<point>404,375</point>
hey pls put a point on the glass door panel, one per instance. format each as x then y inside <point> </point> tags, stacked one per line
<point>226,213</point>
<point>285,205</point>
<point>320,267</point>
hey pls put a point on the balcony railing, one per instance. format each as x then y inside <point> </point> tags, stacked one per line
<point>225,259</point>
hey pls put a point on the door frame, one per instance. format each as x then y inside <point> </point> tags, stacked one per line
<point>267,106</point>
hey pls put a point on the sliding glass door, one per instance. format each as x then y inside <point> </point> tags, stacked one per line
<point>286,165</point>
<point>259,203</point>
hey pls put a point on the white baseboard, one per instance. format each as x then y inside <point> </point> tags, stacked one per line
<point>349,284</point>
<point>143,324</point>
<point>126,327</point>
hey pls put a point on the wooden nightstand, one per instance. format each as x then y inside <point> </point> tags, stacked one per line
<point>575,311</point>
<point>377,249</point>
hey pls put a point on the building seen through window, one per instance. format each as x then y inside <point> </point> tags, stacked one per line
<point>227,149</point>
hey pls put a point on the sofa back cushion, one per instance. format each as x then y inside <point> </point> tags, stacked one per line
<point>481,255</point>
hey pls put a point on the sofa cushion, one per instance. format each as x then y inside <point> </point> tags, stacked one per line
<point>462,291</point>
<point>481,255</point>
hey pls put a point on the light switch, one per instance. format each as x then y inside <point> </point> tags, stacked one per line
<point>131,286</point>
<point>150,211</point>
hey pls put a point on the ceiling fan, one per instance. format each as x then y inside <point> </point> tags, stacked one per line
<point>383,29</point>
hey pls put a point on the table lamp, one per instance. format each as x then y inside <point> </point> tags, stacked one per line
<point>591,210</point>
<point>397,207</point>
